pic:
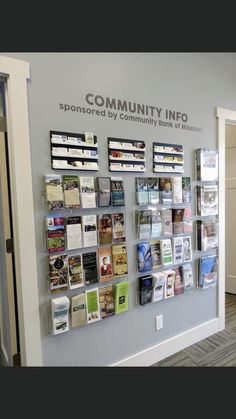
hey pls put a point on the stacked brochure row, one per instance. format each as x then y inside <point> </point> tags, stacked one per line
<point>166,222</point>
<point>88,307</point>
<point>75,271</point>
<point>75,232</point>
<point>165,284</point>
<point>168,158</point>
<point>164,190</point>
<point>155,254</point>
<point>68,192</point>
<point>74,151</point>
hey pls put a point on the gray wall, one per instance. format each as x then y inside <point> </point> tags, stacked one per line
<point>191,83</point>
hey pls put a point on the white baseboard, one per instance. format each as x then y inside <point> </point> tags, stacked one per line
<point>3,357</point>
<point>162,350</point>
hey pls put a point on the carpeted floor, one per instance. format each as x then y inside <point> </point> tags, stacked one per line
<point>218,350</point>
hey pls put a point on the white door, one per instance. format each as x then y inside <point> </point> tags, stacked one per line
<point>230,210</point>
<point>8,330</point>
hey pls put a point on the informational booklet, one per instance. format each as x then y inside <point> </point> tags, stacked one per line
<point>167,225</point>
<point>71,191</point>
<point>165,186</point>
<point>169,284</point>
<point>142,197</point>
<point>156,254</point>
<point>177,189</point>
<point>119,259</point>
<point>145,289</point>
<point>188,276</point>
<point>156,223</point>
<point>186,189</point>
<point>105,264</point>
<point>73,233</point>
<point>207,200</point>
<point>179,281</point>
<point>54,192</point>
<point>118,227</point>
<point>89,228</point>
<point>106,301</point>
<point>117,191</point>
<point>159,281</point>
<point>105,228</point>
<point>60,314</point>
<point>92,305</point>
<point>166,252</point>
<point>58,273</point>
<point>207,164</point>
<point>187,247</point>
<point>144,257</point>
<point>144,219</point>
<point>121,291</point>
<point>187,221</point>
<point>87,192</point>
<point>178,250</point>
<point>55,234</point>
<point>207,271</point>
<point>153,190</point>
<point>90,268</point>
<point>76,278</point>
<point>177,218</point>
<point>104,191</point>
<point>78,310</point>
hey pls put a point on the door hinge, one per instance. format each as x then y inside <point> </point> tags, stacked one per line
<point>10,246</point>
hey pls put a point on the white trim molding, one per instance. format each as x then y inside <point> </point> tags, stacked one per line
<point>223,116</point>
<point>17,72</point>
<point>156,353</point>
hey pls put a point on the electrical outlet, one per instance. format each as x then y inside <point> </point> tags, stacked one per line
<point>159,322</point>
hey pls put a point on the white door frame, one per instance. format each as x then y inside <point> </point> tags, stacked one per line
<point>223,116</point>
<point>17,73</point>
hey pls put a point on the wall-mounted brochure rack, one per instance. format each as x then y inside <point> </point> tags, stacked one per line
<point>168,158</point>
<point>73,151</point>
<point>126,155</point>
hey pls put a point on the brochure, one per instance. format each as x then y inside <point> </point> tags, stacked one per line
<point>55,234</point>
<point>169,284</point>
<point>188,276</point>
<point>104,191</point>
<point>58,273</point>
<point>71,191</point>
<point>60,314</point>
<point>119,259</point>
<point>166,252</point>
<point>142,197</point>
<point>165,190</point>
<point>92,305</point>
<point>76,278</point>
<point>54,193</point>
<point>145,289</point>
<point>117,191</point>
<point>78,310</point>
<point>179,281</point>
<point>90,269</point>
<point>187,247</point>
<point>89,225</point>
<point>144,257</point>
<point>105,264</point>
<point>156,254</point>
<point>87,192</point>
<point>159,281</point>
<point>121,291</point>
<point>177,189</point>
<point>73,233</point>
<point>118,227</point>
<point>105,229</point>
<point>106,300</point>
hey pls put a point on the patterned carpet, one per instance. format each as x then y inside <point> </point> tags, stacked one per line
<point>218,350</point>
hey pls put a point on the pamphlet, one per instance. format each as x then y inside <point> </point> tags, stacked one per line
<point>89,225</point>
<point>165,190</point>
<point>177,189</point>
<point>87,191</point>
<point>58,273</point>
<point>166,252</point>
<point>144,257</point>
<point>117,191</point>
<point>60,314</point>
<point>156,223</point>
<point>90,269</point>
<point>104,191</point>
<point>145,289</point>
<point>144,223</point>
<point>55,234</point>
<point>119,258</point>
<point>208,271</point>
<point>71,191</point>
<point>118,227</point>
<point>177,250</point>
<point>187,247</point>
<point>153,190</point>
<point>186,190</point>
<point>159,281</point>
<point>105,229</point>
<point>188,276</point>
<point>169,284</point>
<point>121,291</point>
<point>78,310</point>
<point>92,305</point>
<point>106,300</point>
<point>76,279</point>
<point>105,264</point>
<point>142,197</point>
<point>167,222</point>
<point>73,233</point>
<point>54,193</point>
<point>156,254</point>
<point>179,281</point>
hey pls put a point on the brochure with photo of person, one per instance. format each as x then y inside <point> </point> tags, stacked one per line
<point>105,264</point>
